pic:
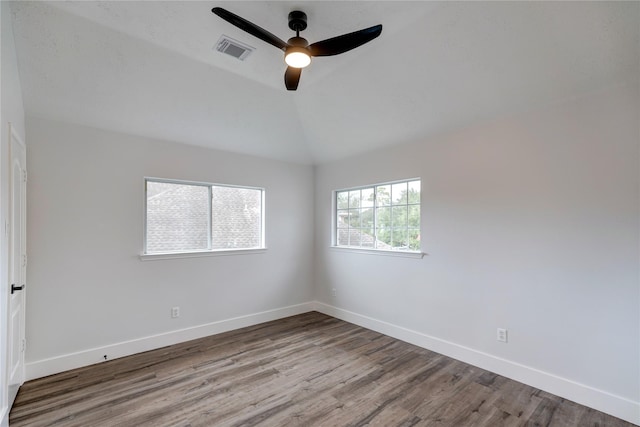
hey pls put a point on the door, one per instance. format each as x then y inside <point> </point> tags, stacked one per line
<point>17,263</point>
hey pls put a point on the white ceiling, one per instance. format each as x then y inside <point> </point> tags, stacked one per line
<point>148,68</point>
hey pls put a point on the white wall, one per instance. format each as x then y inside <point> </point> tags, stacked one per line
<point>11,111</point>
<point>87,286</point>
<point>531,224</point>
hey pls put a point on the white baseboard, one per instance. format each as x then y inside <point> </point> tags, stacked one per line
<point>603,401</point>
<point>54,365</point>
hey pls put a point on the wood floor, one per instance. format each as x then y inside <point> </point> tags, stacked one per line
<point>306,370</point>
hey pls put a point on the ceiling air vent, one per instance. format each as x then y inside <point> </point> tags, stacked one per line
<point>233,47</point>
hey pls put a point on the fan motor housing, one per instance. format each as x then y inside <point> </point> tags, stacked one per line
<point>297,20</point>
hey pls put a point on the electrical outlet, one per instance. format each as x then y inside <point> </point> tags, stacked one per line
<point>333,292</point>
<point>175,312</point>
<point>502,335</point>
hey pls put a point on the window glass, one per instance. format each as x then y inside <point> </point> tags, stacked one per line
<point>236,217</point>
<point>383,216</point>
<point>193,217</point>
<point>177,217</point>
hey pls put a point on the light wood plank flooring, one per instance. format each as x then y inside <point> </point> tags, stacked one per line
<point>306,370</point>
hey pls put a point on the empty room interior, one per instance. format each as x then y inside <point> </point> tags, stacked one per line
<point>434,222</point>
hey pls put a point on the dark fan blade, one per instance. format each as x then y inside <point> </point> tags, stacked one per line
<point>345,42</point>
<point>292,77</point>
<point>249,27</point>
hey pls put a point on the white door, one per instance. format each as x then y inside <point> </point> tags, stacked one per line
<point>17,263</point>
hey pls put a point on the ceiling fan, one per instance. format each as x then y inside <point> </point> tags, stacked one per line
<point>297,51</point>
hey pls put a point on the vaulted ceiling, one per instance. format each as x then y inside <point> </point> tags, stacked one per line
<point>150,68</point>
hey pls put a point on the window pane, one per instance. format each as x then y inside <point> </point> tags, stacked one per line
<point>399,216</point>
<point>341,220</point>
<point>399,239</point>
<point>399,193</point>
<point>366,200</point>
<point>414,216</point>
<point>343,237</point>
<point>236,218</point>
<point>383,238</point>
<point>366,218</point>
<point>355,237</point>
<point>414,192</point>
<point>383,217</point>
<point>414,240</point>
<point>342,199</point>
<point>354,199</point>
<point>383,195</point>
<point>354,217</point>
<point>368,239</point>
<point>177,217</point>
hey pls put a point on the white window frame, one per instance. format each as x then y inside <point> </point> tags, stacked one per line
<point>144,256</point>
<point>369,250</point>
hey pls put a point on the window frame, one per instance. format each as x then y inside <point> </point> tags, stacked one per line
<point>370,250</point>
<point>204,252</point>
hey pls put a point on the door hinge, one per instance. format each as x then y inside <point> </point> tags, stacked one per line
<point>24,260</point>
<point>24,345</point>
<point>24,176</point>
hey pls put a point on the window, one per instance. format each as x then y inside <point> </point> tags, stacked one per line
<point>383,217</point>
<point>197,217</point>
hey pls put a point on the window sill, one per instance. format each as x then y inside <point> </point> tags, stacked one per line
<point>199,254</point>
<point>404,254</point>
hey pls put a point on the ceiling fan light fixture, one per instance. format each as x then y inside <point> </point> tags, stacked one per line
<point>297,51</point>
<point>297,57</point>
